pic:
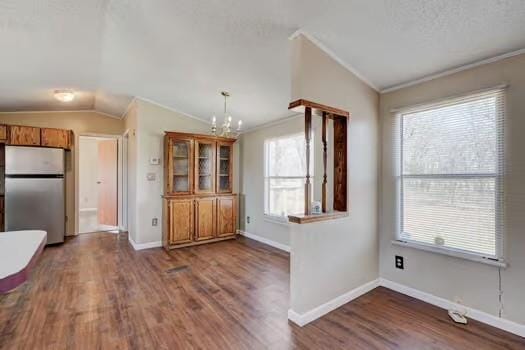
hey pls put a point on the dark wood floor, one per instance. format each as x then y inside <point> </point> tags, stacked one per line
<point>96,292</point>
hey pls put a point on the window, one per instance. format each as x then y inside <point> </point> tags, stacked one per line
<point>450,158</point>
<point>285,172</point>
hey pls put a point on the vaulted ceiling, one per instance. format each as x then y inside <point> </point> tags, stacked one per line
<point>182,53</point>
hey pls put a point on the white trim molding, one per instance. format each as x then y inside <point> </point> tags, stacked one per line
<point>91,110</point>
<point>475,314</point>
<point>450,252</point>
<point>144,99</point>
<point>267,241</point>
<point>453,70</point>
<point>312,315</point>
<point>141,246</point>
<point>481,316</point>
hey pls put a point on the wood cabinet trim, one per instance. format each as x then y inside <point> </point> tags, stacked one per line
<point>196,170</point>
<point>172,223</point>
<point>56,138</point>
<point>199,136</point>
<point>213,220</point>
<point>169,166</point>
<point>20,135</point>
<point>210,208</point>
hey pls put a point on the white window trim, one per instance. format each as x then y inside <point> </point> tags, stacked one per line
<point>280,219</point>
<point>448,251</point>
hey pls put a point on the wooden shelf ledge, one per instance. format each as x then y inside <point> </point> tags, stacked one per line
<point>317,108</point>
<point>307,219</point>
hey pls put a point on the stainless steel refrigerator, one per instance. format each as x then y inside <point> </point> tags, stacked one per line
<point>35,191</point>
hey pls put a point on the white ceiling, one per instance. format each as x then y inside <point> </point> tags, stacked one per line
<point>181,53</point>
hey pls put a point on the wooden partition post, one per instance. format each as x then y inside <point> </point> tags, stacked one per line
<point>340,122</point>
<point>340,164</point>
<point>307,185</point>
<point>325,160</point>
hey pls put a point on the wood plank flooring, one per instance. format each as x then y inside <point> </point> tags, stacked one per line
<point>96,292</point>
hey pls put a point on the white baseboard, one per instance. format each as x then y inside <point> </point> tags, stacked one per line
<point>477,315</point>
<point>312,315</point>
<point>265,240</point>
<point>140,246</point>
<point>321,310</point>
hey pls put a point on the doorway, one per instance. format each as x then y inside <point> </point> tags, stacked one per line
<point>98,184</point>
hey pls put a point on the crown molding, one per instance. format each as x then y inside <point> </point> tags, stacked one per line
<point>453,70</point>
<point>63,111</point>
<point>172,109</point>
<point>130,104</point>
<point>333,56</point>
<point>272,123</point>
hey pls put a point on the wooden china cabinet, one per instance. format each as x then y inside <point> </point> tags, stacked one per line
<point>199,206</point>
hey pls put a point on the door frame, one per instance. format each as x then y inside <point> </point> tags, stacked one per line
<point>119,176</point>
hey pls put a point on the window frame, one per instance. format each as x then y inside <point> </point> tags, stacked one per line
<point>498,176</point>
<point>267,177</point>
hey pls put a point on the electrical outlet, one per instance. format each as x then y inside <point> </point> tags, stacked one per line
<point>154,222</point>
<point>400,264</point>
<point>247,219</point>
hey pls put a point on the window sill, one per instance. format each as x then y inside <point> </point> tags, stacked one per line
<point>452,253</point>
<point>307,219</point>
<point>280,220</point>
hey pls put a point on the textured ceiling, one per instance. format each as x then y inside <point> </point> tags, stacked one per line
<point>391,42</point>
<point>181,53</point>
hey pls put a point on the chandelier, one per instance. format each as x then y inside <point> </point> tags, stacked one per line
<point>225,129</point>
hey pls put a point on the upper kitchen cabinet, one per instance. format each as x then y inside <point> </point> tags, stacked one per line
<point>18,135</point>
<point>3,133</point>
<point>58,138</point>
<point>24,136</point>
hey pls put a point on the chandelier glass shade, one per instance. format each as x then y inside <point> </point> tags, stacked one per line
<point>225,129</point>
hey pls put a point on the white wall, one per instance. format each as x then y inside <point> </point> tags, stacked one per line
<point>331,258</point>
<point>130,125</point>
<point>476,284</point>
<point>252,176</point>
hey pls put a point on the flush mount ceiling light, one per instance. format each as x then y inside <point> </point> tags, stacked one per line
<point>65,95</point>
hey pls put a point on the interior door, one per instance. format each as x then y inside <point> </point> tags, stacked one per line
<point>107,182</point>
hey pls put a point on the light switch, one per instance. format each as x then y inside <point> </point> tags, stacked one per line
<point>154,161</point>
<point>151,176</point>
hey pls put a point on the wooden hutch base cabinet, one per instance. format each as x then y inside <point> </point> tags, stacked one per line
<point>199,206</point>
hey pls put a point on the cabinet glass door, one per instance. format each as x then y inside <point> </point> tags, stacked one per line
<point>181,172</point>
<point>204,166</point>
<point>224,167</point>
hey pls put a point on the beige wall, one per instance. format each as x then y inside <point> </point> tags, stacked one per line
<point>476,284</point>
<point>79,122</point>
<point>131,141</point>
<point>331,258</point>
<point>152,122</point>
